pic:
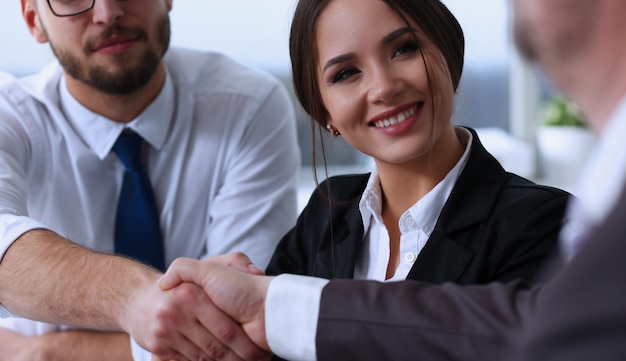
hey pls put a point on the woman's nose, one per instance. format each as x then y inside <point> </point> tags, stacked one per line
<point>384,86</point>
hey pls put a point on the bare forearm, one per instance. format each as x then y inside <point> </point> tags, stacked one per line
<point>65,346</point>
<point>45,277</point>
<point>85,345</point>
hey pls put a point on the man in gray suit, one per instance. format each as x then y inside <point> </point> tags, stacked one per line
<point>579,315</point>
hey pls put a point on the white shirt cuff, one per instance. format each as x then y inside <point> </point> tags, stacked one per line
<point>138,352</point>
<point>11,228</point>
<point>291,314</point>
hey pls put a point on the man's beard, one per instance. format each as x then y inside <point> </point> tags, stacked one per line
<point>119,83</point>
<point>524,43</point>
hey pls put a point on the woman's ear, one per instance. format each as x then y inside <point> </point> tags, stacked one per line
<point>33,22</point>
<point>331,128</point>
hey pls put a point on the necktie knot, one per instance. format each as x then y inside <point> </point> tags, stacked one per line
<point>128,150</point>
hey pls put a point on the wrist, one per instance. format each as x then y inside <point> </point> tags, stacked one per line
<point>139,290</point>
<point>258,324</point>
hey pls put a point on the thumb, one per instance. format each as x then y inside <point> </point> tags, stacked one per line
<point>181,270</point>
<point>238,261</point>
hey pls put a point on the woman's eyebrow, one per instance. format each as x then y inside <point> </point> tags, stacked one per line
<point>339,59</point>
<point>396,34</point>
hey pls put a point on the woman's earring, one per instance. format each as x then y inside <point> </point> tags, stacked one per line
<point>333,130</point>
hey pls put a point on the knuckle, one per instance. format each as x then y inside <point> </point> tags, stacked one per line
<point>178,262</point>
<point>216,352</point>
<point>160,332</point>
<point>163,352</point>
<point>165,313</point>
<point>159,351</point>
<point>235,258</point>
<point>185,293</point>
<point>225,334</point>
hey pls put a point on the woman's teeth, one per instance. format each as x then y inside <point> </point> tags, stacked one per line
<point>395,120</point>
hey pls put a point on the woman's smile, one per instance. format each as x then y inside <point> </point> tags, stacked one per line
<point>400,117</point>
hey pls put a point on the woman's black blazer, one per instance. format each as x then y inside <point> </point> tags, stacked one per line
<point>495,226</point>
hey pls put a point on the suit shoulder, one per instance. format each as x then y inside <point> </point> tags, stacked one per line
<point>519,191</point>
<point>343,188</point>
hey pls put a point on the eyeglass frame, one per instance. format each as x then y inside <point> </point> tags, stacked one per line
<point>93,2</point>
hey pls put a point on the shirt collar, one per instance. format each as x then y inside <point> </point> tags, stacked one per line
<point>370,204</point>
<point>100,133</point>
<point>604,174</point>
<point>426,211</point>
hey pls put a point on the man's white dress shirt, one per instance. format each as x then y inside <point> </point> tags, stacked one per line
<point>600,184</point>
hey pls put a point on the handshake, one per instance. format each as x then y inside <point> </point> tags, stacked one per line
<point>203,310</point>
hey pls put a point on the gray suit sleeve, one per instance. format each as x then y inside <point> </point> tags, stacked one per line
<point>418,321</point>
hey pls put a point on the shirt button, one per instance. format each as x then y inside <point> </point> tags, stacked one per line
<point>409,222</point>
<point>409,257</point>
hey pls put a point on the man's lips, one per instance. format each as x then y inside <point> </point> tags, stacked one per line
<point>114,42</point>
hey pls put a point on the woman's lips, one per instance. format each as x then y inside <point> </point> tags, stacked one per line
<point>399,120</point>
<point>395,119</point>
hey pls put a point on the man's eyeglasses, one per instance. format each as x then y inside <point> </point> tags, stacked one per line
<point>63,8</point>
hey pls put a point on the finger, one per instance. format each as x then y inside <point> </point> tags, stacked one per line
<point>191,270</point>
<point>239,261</point>
<point>228,333</point>
<point>185,349</point>
<point>175,321</point>
<point>181,270</point>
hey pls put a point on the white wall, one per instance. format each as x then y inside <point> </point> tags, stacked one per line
<point>252,31</point>
<point>20,54</point>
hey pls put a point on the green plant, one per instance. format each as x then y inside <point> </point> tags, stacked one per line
<point>561,112</point>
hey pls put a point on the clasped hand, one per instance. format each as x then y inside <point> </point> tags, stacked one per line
<point>204,310</point>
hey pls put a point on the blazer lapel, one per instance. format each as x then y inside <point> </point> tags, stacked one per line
<point>441,260</point>
<point>474,194</point>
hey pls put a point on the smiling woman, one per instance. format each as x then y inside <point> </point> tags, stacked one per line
<point>436,207</point>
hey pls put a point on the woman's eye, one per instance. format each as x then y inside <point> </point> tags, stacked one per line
<point>404,48</point>
<point>343,75</point>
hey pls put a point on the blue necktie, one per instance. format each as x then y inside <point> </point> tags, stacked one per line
<point>137,232</point>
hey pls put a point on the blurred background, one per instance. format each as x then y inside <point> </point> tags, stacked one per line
<point>500,95</point>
